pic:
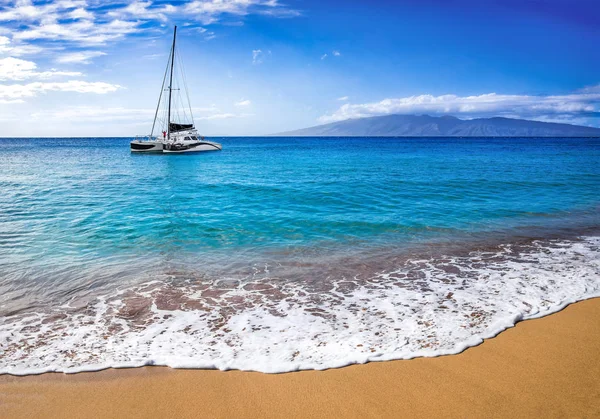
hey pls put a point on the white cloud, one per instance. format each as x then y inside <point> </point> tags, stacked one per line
<point>80,57</point>
<point>144,10</point>
<point>90,23</point>
<point>8,48</point>
<point>343,98</point>
<point>581,102</point>
<point>217,116</point>
<point>152,56</point>
<point>45,21</point>
<point>83,31</point>
<point>210,108</point>
<point>257,56</point>
<point>11,101</point>
<point>211,11</point>
<point>204,11</point>
<point>25,10</point>
<point>589,89</point>
<point>16,69</point>
<point>208,35</point>
<point>334,53</point>
<point>87,113</point>
<point>80,13</point>
<point>15,91</point>
<point>101,114</point>
<point>281,12</point>
<point>243,102</point>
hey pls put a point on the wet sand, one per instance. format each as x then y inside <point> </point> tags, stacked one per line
<point>547,367</point>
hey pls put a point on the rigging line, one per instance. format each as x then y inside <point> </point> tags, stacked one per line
<point>181,108</point>
<point>185,86</point>
<point>160,96</point>
<point>171,85</point>
<point>178,77</point>
<point>164,113</point>
<point>177,97</point>
<point>183,115</point>
<point>177,108</point>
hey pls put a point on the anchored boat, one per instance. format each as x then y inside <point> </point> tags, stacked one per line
<point>180,136</point>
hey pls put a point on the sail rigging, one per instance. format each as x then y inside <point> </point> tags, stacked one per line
<point>174,116</point>
<point>171,83</point>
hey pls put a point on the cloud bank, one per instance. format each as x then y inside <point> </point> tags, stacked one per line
<point>584,103</point>
<point>19,91</point>
<point>81,28</point>
<point>91,23</point>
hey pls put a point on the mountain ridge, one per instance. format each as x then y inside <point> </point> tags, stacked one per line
<point>441,126</point>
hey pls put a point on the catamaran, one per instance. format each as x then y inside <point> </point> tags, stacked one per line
<point>180,136</point>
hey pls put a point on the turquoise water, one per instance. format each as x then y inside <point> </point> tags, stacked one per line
<point>80,218</point>
<point>67,196</point>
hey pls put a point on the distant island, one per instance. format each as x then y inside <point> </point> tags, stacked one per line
<point>443,126</point>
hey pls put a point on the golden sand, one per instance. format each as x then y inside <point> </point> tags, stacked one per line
<point>548,367</point>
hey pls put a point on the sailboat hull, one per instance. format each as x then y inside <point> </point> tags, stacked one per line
<point>192,148</point>
<point>138,146</point>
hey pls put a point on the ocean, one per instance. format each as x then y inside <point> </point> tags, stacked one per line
<point>283,254</point>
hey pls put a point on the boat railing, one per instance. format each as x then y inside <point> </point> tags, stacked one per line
<point>146,138</point>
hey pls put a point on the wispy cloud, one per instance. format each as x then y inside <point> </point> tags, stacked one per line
<point>83,32</point>
<point>26,10</point>
<point>208,35</point>
<point>63,20</point>
<point>334,53</point>
<point>16,91</point>
<point>10,101</point>
<point>119,113</point>
<point>95,113</point>
<point>80,13</point>
<point>343,98</point>
<point>80,57</point>
<point>211,11</point>
<point>144,10</point>
<point>217,116</point>
<point>281,12</point>
<point>243,102</point>
<point>585,102</point>
<point>92,23</point>
<point>257,56</point>
<point>9,48</point>
<point>17,69</point>
<point>153,56</point>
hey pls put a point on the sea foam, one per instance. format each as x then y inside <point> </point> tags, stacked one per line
<point>425,307</point>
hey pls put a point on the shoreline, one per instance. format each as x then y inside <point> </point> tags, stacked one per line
<point>303,326</point>
<point>545,366</point>
<point>474,342</point>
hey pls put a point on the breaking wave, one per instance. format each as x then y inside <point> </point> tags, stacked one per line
<point>421,306</point>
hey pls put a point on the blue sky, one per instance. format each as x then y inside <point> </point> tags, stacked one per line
<point>94,68</point>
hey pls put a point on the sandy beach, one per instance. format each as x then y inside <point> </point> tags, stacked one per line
<point>548,367</point>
